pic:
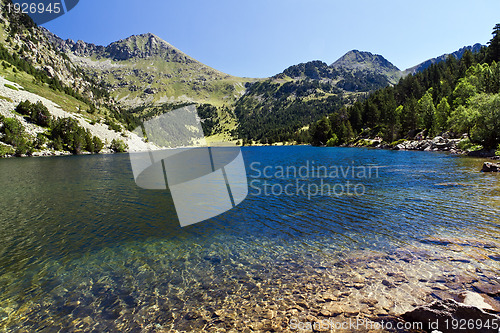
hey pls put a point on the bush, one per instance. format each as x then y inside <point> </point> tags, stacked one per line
<point>118,146</point>
<point>14,135</point>
<point>498,151</point>
<point>40,141</point>
<point>10,86</point>
<point>332,141</point>
<point>67,134</point>
<point>6,150</point>
<point>40,115</point>
<point>112,125</point>
<point>24,108</point>
<point>13,131</point>
<point>395,143</point>
<point>37,113</point>
<point>364,143</point>
<point>467,145</point>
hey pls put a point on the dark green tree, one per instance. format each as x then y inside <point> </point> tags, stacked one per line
<point>321,132</point>
<point>494,45</point>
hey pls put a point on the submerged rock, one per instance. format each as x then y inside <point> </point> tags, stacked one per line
<point>492,289</point>
<point>443,315</point>
<point>490,167</point>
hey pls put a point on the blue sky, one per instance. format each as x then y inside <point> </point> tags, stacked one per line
<point>260,38</point>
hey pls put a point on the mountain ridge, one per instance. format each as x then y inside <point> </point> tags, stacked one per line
<point>141,46</point>
<point>457,54</point>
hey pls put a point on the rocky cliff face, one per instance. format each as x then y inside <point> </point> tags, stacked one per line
<point>79,48</point>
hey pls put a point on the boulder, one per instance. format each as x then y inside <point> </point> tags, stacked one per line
<point>438,139</point>
<point>49,71</point>
<point>442,315</point>
<point>425,144</point>
<point>490,167</point>
<point>400,147</point>
<point>481,301</point>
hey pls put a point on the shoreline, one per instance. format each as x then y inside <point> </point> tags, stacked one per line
<point>438,144</point>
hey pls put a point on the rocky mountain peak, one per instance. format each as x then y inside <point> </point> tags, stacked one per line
<point>356,59</point>
<point>144,46</point>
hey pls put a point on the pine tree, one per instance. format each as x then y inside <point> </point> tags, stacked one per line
<point>494,45</point>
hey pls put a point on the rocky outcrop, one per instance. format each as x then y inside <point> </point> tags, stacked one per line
<point>491,167</point>
<point>437,144</point>
<point>79,48</point>
<point>447,316</point>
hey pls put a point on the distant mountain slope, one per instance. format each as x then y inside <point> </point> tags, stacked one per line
<point>275,109</point>
<point>146,70</point>
<point>457,54</point>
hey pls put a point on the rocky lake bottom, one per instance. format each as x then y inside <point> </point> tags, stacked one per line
<point>426,230</point>
<point>232,285</point>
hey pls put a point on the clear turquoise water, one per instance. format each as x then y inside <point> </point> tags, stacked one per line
<point>83,248</point>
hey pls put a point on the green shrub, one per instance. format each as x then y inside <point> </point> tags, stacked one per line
<point>24,108</point>
<point>40,141</point>
<point>467,145</point>
<point>37,113</point>
<point>6,99</point>
<point>68,135</point>
<point>498,151</point>
<point>11,87</point>
<point>15,135</point>
<point>40,115</point>
<point>395,143</point>
<point>364,143</point>
<point>118,146</point>
<point>332,141</point>
<point>13,131</point>
<point>112,125</point>
<point>6,150</point>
